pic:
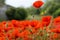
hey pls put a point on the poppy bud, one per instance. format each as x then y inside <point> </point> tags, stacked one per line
<point>38,4</point>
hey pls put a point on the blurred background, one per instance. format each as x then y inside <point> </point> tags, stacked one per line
<point>23,9</point>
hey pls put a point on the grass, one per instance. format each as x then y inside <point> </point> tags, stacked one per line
<point>36,17</point>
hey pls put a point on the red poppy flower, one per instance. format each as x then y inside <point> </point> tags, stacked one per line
<point>39,25</point>
<point>56,20</point>
<point>2,38</point>
<point>56,30</point>
<point>38,4</point>
<point>46,20</point>
<point>33,23</point>
<point>55,35</point>
<point>25,33</point>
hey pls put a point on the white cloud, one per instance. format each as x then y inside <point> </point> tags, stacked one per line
<point>17,3</point>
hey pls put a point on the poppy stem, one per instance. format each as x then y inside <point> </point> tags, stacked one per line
<point>33,16</point>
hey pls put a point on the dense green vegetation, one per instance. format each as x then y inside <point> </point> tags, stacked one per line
<point>16,13</point>
<point>2,2</point>
<point>52,7</point>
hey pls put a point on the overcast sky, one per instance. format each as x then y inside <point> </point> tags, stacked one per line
<point>18,3</point>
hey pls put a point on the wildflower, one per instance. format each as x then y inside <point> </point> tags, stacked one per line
<point>38,4</point>
<point>46,20</point>
<point>56,20</point>
<point>55,35</point>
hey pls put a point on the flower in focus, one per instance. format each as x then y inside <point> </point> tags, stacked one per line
<point>38,4</point>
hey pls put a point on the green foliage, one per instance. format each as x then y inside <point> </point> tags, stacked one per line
<point>37,11</point>
<point>33,11</point>
<point>20,14</point>
<point>2,2</point>
<point>10,13</point>
<point>16,13</point>
<point>51,7</point>
<point>56,13</point>
<point>0,20</point>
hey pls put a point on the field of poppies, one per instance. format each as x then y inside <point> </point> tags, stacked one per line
<point>48,28</point>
